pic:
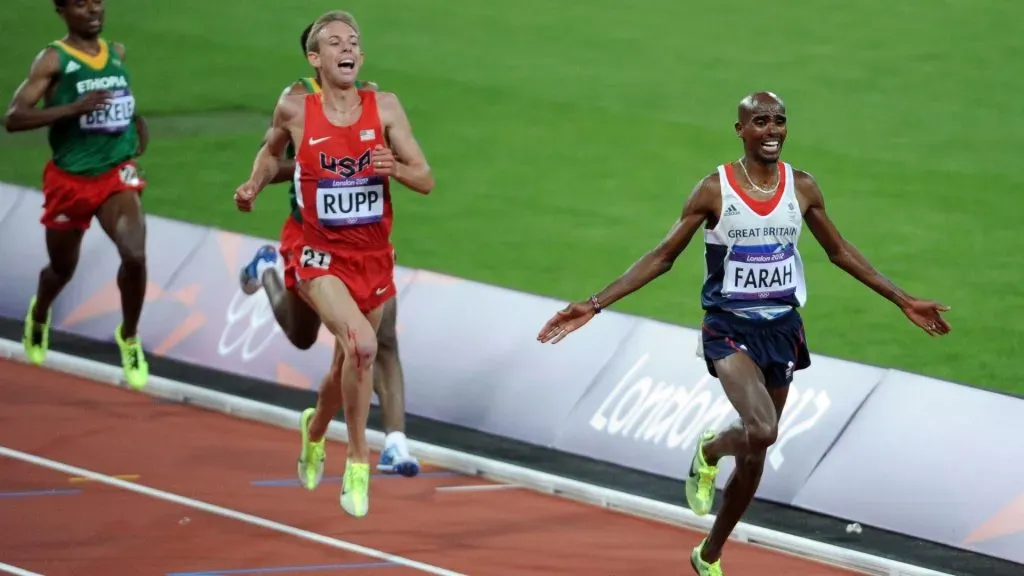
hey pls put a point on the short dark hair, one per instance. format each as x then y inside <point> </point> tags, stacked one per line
<point>60,3</point>
<point>302,39</point>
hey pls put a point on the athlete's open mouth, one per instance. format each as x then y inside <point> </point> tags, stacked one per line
<point>771,145</point>
<point>347,64</point>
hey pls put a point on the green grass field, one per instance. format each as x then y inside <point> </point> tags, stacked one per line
<point>566,134</point>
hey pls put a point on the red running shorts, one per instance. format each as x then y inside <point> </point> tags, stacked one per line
<point>368,274</point>
<point>70,201</point>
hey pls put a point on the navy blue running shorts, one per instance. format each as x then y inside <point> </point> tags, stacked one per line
<point>778,346</point>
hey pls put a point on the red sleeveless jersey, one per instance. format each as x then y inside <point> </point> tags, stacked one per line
<point>344,203</point>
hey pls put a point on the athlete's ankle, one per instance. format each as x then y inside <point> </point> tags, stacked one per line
<point>709,553</point>
<point>263,268</point>
<point>39,316</point>
<point>357,458</point>
<point>710,458</point>
<point>314,430</point>
<point>395,437</point>
<point>128,336</point>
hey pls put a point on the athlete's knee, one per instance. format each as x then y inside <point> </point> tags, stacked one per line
<point>301,341</point>
<point>132,248</point>
<point>387,342</point>
<point>761,434</point>
<point>360,345</point>
<point>63,268</point>
<point>364,350</point>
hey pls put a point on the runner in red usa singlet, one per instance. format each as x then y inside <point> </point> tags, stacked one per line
<point>349,144</point>
<point>346,207</point>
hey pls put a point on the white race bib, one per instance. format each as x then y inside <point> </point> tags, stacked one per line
<point>760,275</point>
<point>113,119</point>
<point>313,258</point>
<point>349,202</point>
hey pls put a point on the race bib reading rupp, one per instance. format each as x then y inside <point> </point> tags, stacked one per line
<point>113,119</point>
<point>760,275</point>
<point>349,202</point>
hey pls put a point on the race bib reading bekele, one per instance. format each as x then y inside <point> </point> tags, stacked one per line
<point>114,118</point>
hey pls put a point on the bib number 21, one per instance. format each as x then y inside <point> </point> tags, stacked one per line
<point>312,258</point>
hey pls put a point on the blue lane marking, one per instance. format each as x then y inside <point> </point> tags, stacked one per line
<point>29,493</point>
<point>280,482</point>
<point>325,567</point>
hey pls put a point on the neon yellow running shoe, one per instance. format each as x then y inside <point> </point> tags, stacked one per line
<point>705,568</point>
<point>311,457</point>
<point>36,338</point>
<point>133,360</point>
<point>355,489</point>
<point>700,484</point>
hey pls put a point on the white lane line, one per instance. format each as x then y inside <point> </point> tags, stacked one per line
<point>8,569</point>
<point>69,470</point>
<point>477,488</point>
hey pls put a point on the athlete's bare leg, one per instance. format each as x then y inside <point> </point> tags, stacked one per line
<point>389,384</point>
<point>63,248</point>
<point>122,219</point>
<point>356,337</point>
<point>388,380</point>
<point>330,399</point>
<point>759,410</point>
<point>298,320</point>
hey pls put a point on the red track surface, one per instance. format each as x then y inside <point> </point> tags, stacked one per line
<point>111,531</point>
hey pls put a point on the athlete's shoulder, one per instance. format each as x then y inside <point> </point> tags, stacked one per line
<point>291,105</point>
<point>710,183</point>
<point>389,107</point>
<point>387,99</point>
<point>117,48</point>
<point>705,196</point>
<point>297,88</point>
<point>48,60</point>
<point>807,190</point>
<point>803,179</point>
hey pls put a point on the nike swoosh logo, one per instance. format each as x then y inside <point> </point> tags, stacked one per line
<point>315,141</point>
<point>381,291</point>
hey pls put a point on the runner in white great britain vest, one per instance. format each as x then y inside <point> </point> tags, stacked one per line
<point>752,265</point>
<point>752,337</point>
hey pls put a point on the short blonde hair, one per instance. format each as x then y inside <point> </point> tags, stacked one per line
<point>313,42</point>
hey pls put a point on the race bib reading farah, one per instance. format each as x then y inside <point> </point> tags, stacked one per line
<point>760,275</point>
<point>349,202</point>
<point>113,119</point>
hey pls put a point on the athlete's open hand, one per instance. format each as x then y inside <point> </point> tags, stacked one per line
<point>567,320</point>
<point>245,196</point>
<point>95,100</point>
<point>927,315</point>
<point>384,162</point>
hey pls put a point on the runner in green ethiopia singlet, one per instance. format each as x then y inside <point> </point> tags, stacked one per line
<point>98,141</point>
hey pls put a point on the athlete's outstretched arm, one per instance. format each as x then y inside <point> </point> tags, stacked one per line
<point>410,167</point>
<point>702,203</point>
<point>846,256</point>
<point>22,113</point>
<point>660,259</point>
<point>840,252</point>
<point>267,161</point>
